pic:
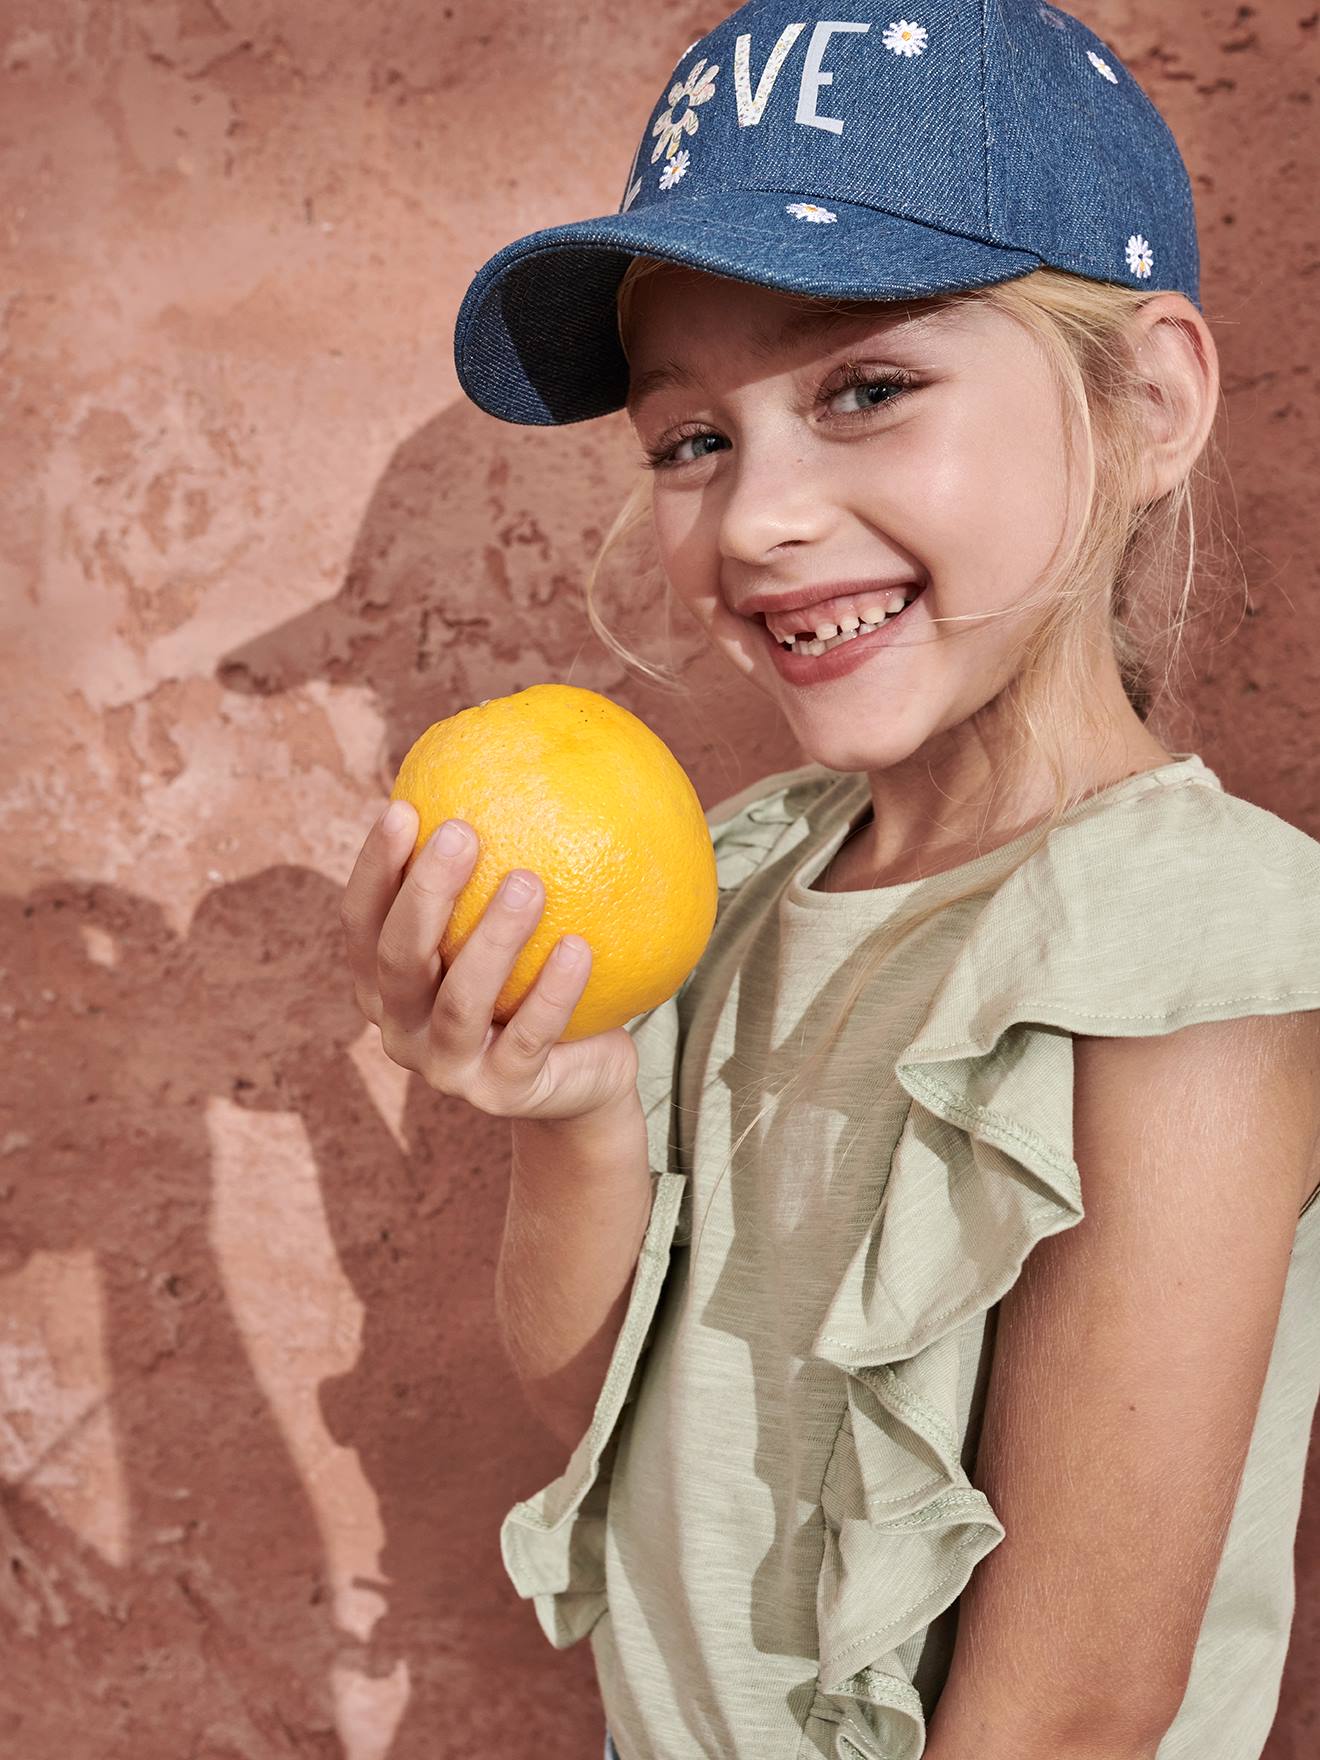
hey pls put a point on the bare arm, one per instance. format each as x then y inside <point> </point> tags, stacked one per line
<point>1129,1362</point>
<point>579,1204</point>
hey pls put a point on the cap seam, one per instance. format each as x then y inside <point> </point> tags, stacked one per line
<point>1104,270</point>
<point>775,189</point>
<point>629,247</point>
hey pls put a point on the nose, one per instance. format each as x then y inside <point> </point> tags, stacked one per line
<point>774,499</point>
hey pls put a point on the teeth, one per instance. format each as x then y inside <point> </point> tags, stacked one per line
<point>831,635</point>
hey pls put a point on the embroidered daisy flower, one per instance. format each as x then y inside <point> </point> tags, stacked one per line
<point>674,169</point>
<point>811,211</point>
<point>697,88</point>
<point>1102,66</point>
<point>1139,257</point>
<point>904,38</point>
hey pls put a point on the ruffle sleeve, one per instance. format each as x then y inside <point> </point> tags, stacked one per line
<point>1170,908</point>
<point>553,1542</point>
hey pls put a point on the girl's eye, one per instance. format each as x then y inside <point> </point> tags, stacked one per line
<point>866,389</point>
<point>862,392</point>
<point>671,454</point>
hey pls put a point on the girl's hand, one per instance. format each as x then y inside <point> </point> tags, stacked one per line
<point>441,1026</point>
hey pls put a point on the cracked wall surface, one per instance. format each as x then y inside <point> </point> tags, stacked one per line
<point>256,1431</point>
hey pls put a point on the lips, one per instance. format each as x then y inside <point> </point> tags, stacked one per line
<point>842,657</point>
<point>839,614</point>
<point>823,594</point>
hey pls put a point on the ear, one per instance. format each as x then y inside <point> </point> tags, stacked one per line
<point>1179,367</point>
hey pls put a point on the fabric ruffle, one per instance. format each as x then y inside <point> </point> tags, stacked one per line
<point>980,1173</point>
<point>553,1543</point>
<point>984,1169</point>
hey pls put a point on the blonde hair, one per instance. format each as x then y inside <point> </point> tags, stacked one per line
<point>1121,555</point>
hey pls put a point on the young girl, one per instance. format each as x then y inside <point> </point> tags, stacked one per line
<point>921,1291</point>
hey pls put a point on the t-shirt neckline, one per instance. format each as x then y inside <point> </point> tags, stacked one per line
<point>855,800</point>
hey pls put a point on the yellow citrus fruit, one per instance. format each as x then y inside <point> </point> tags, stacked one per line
<point>565,783</point>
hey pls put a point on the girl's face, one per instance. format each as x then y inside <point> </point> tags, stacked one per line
<point>796,451</point>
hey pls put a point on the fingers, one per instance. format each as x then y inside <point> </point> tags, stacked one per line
<point>439,1021</point>
<point>461,1013</point>
<point>517,1053</point>
<point>461,1020</point>
<point>371,891</point>
<point>408,961</point>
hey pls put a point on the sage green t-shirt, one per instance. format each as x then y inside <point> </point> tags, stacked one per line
<point>766,1527</point>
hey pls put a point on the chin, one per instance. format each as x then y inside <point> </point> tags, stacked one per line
<point>850,749</point>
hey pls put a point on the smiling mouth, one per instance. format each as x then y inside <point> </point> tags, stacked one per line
<point>847,630</point>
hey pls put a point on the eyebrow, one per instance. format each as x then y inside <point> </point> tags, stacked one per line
<point>796,327</point>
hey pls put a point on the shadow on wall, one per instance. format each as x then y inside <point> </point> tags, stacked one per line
<point>466,582</point>
<point>463,584</point>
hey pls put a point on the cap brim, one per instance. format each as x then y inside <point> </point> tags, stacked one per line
<point>537,336</point>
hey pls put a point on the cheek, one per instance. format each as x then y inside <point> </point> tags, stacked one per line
<point>684,543</point>
<point>1030,462</point>
<point>992,495</point>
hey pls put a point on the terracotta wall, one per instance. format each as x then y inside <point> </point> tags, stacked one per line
<point>257,1434</point>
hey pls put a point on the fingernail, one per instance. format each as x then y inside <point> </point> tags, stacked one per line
<point>394,817</point>
<point>517,889</point>
<point>451,838</point>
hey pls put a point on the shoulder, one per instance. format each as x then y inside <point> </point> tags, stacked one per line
<point>1184,903</point>
<point>1170,908</point>
<point>1171,905</point>
<point>1176,844</point>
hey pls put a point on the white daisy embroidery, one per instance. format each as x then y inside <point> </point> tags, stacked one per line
<point>904,38</point>
<point>1102,66</point>
<point>674,169</point>
<point>1139,257</point>
<point>811,211</point>
<point>697,88</point>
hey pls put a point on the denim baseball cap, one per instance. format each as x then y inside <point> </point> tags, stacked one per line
<point>856,156</point>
